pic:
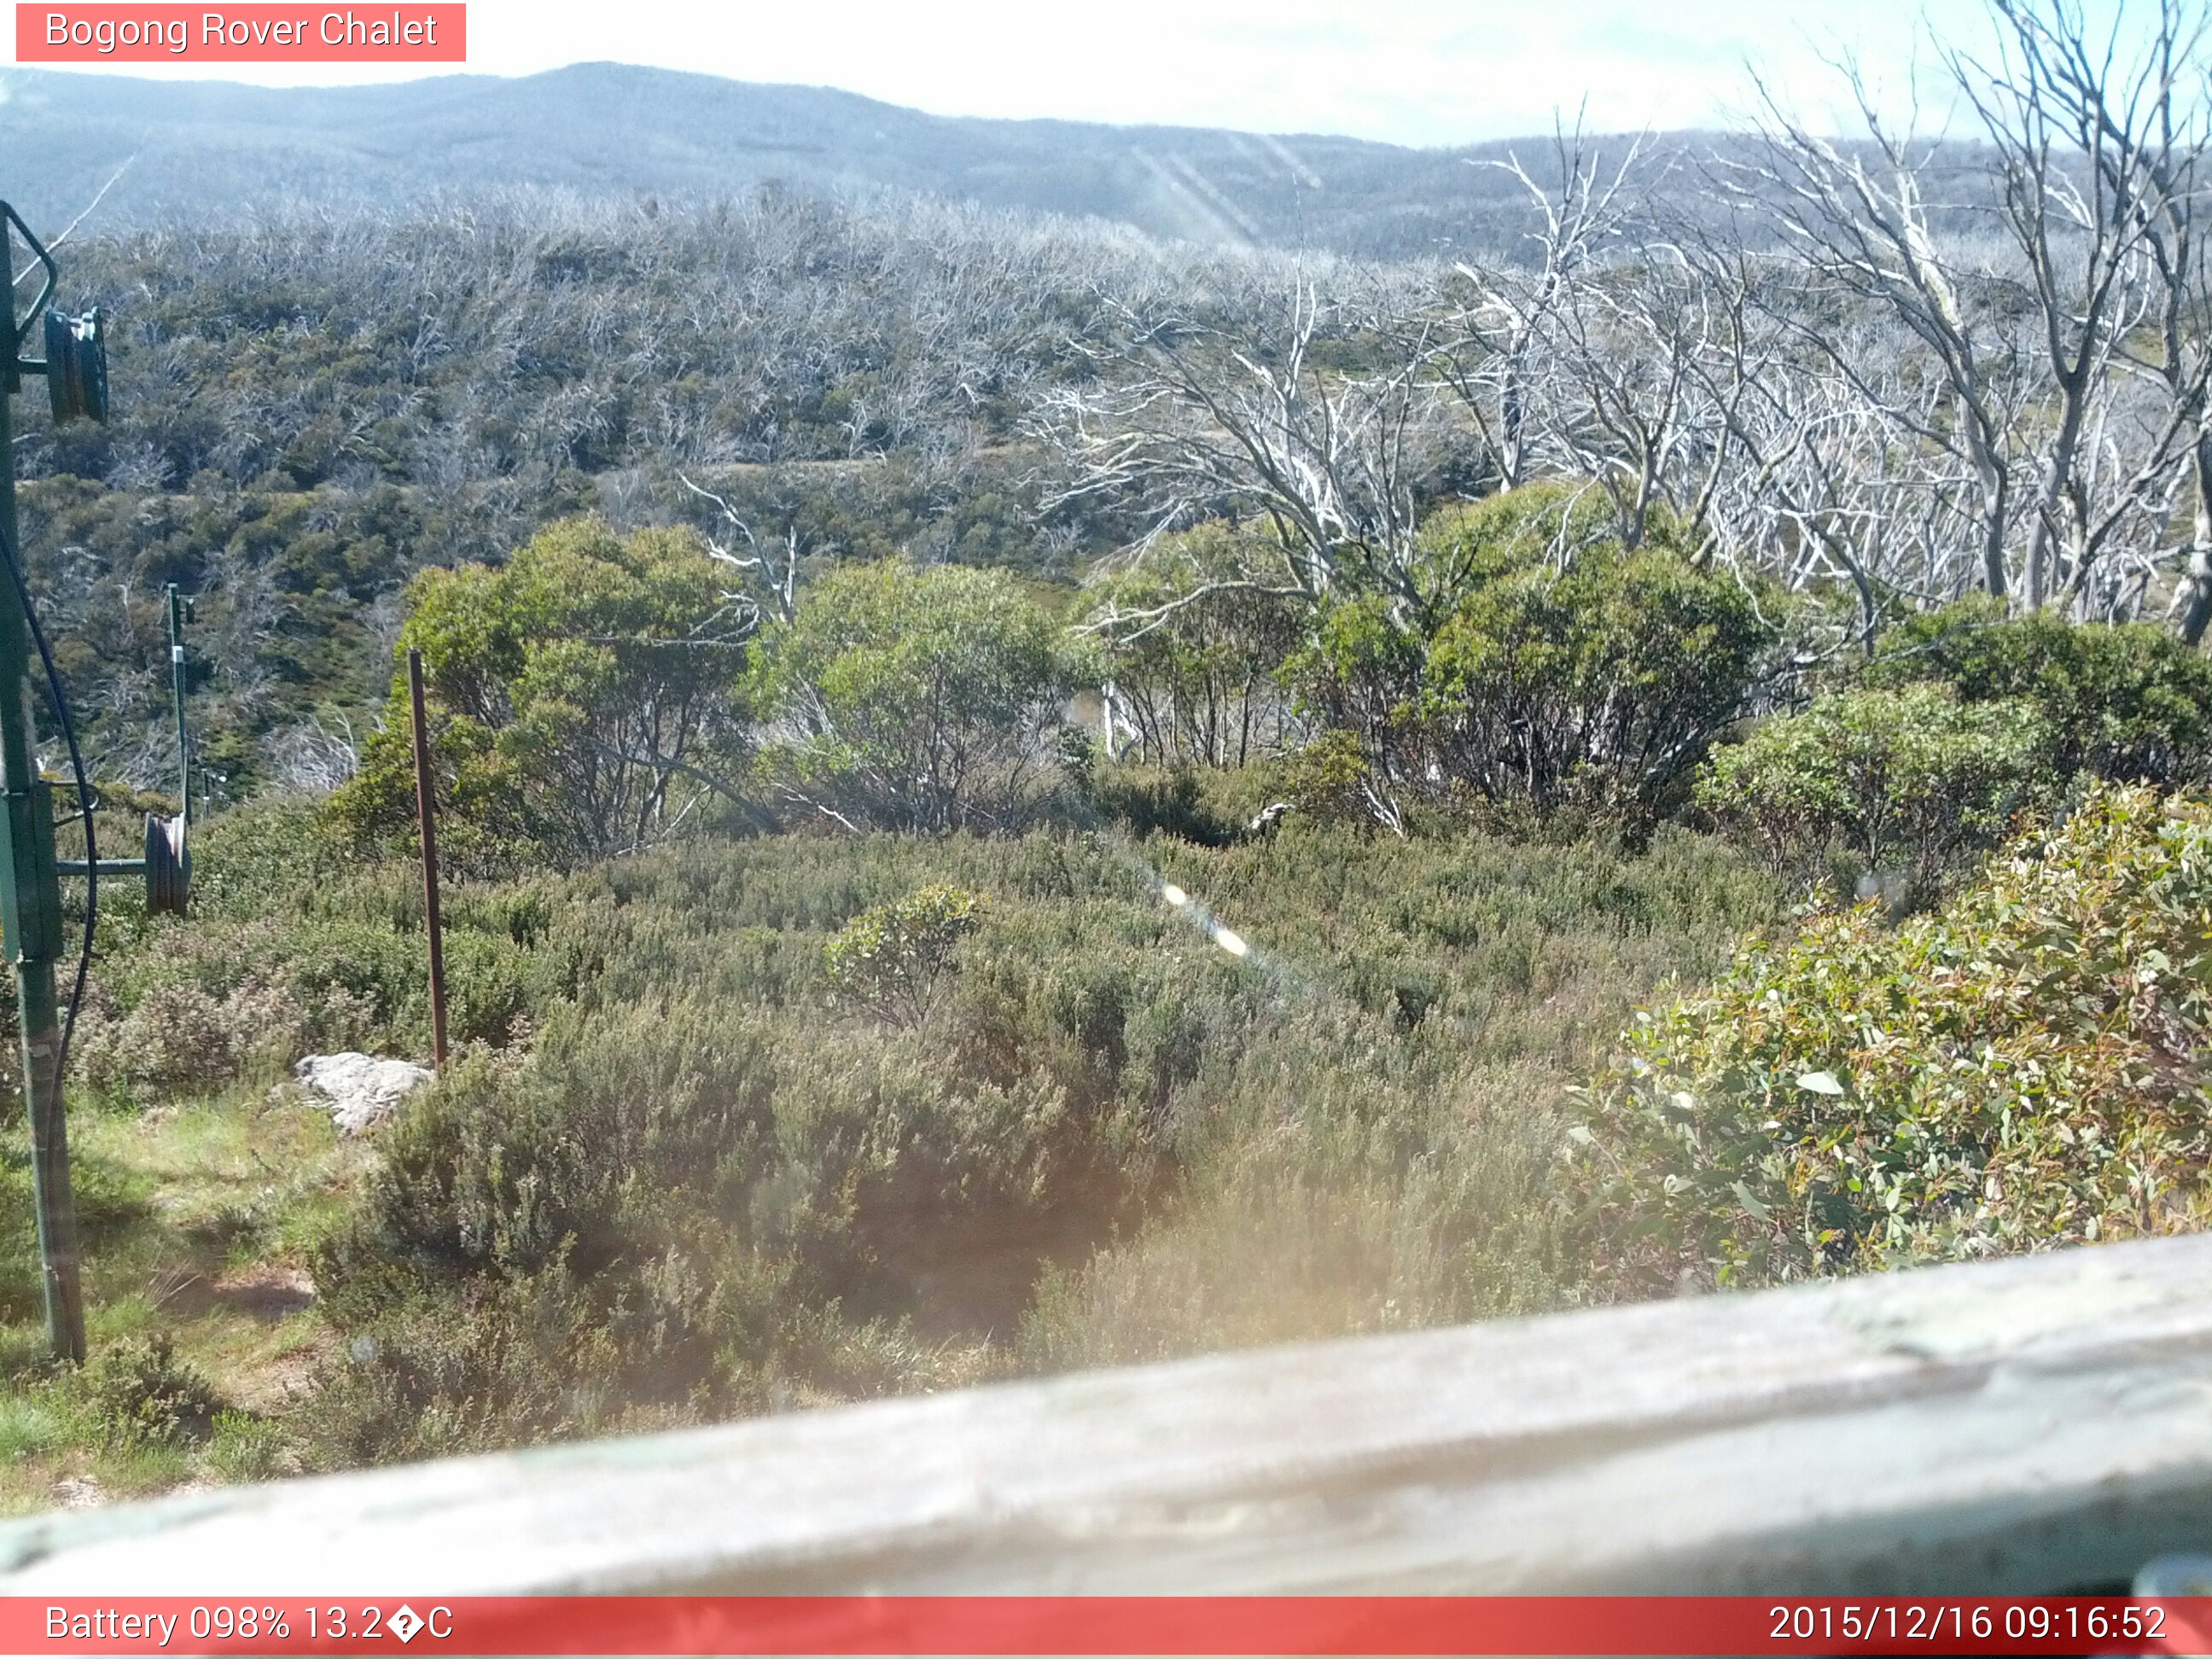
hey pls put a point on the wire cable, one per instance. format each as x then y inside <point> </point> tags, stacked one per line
<point>84,798</point>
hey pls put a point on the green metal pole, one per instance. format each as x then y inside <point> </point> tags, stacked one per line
<point>31,909</point>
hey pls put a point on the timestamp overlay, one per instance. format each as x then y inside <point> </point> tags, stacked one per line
<point>1013,1625</point>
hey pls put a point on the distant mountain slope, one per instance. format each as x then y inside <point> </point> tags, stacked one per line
<point>222,151</point>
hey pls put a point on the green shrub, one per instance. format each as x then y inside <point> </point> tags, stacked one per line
<point>28,1426</point>
<point>142,1394</point>
<point>294,956</point>
<point>647,1213</point>
<point>2128,702</point>
<point>704,1185</point>
<point>244,1448</point>
<point>1564,669</point>
<point>1359,676</point>
<point>1913,780</point>
<point>920,699</point>
<point>517,1361</point>
<point>583,698</point>
<point>1208,806</point>
<point>178,1041</point>
<point>1603,682</point>
<point>1147,801</point>
<point>2031,1066</point>
<point>1196,631</point>
<point>893,959</point>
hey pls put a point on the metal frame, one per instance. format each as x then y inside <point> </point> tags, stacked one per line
<point>30,879</point>
<point>76,371</point>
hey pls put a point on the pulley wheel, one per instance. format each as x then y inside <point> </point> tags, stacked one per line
<point>76,367</point>
<point>168,866</point>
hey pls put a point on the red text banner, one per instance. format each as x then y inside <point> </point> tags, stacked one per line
<point>1008,1625</point>
<point>241,34</point>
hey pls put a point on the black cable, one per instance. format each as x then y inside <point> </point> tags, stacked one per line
<point>60,700</point>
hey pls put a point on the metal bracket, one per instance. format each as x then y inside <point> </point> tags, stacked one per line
<point>30,893</point>
<point>14,364</point>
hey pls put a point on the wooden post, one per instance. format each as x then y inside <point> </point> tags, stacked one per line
<point>426,807</point>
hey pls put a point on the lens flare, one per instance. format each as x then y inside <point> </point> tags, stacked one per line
<point>1189,910</point>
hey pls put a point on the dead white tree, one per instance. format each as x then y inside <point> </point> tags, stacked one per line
<point>2135,109</point>
<point>771,566</point>
<point>2090,159</point>
<point>2071,348</point>
<point>1859,219</point>
<point>1496,347</point>
<point>1262,409</point>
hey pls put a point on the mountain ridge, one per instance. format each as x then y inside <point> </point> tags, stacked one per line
<point>200,151</point>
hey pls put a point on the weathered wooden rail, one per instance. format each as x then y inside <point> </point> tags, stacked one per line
<point>2023,1426</point>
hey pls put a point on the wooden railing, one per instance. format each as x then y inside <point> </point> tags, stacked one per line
<point>2024,1426</point>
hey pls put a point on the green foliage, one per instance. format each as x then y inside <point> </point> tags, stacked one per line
<point>916,699</point>
<point>28,1426</point>
<point>1212,806</point>
<point>2026,1068</point>
<point>2128,702</point>
<point>1563,671</point>
<point>1329,778</point>
<point>892,959</point>
<point>1381,1152</point>
<point>1549,523</point>
<point>673,1175</point>
<point>109,1201</point>
<point>180,1042</point>
<point>659,1213</point>
<point>1361,675</point>
<point>1913,780</point>
<point>243,1447</point>
<point>1197,631</point>
<point>142,1393</point>
<point>585,697</point>
<point>1608,680</point>
<point>293,950</point>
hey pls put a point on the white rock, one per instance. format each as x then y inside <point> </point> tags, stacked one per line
<point>362,1090</point>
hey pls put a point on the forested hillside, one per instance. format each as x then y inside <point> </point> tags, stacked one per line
<point>308,413</point>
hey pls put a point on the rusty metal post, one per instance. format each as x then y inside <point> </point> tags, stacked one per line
<point>426,807</point>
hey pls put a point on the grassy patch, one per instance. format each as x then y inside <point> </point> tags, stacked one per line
<point>196,1219</point>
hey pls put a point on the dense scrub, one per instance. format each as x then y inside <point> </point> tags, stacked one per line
<point>1901,773</point>
<point>2125,701</point>
<point>719,1181</point>
<point>2026,1067</point>
<point>743,1121</point>
<point>691,1162</point>
<point>1547,666</point>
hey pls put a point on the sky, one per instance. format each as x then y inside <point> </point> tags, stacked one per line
<point>1407,71</point>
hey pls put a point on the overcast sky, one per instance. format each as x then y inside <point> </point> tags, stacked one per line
<point>1412,71</point>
